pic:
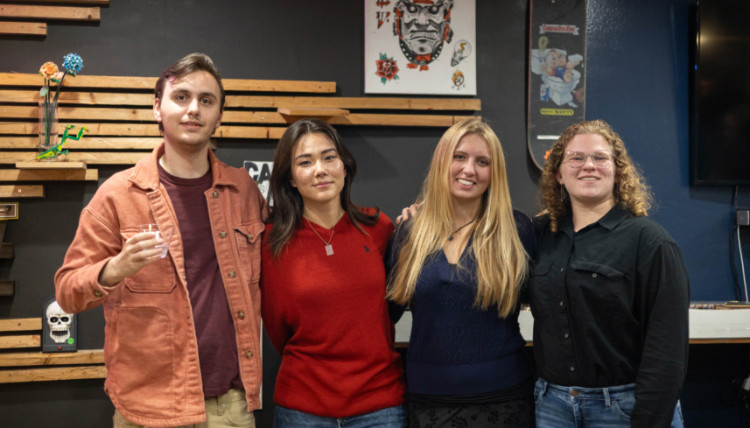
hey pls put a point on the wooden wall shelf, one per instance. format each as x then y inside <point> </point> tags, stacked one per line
<point>26,15</point>
<point>21,191</point>
<point>50,165</point>
<point>7,288</point>
<point>320,112</point>
<point>24,366</point>
<point>50,13</point>
<point>52,374</point>
<point>23,28</point>
<point>117,110</point>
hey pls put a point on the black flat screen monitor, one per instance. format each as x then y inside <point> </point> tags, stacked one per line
<point>720,134</point>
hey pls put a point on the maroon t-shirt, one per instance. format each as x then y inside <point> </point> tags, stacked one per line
<point>217,345</point>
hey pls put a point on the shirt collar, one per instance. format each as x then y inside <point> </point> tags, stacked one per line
<point>614,217</point>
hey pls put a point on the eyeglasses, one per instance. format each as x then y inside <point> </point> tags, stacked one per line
<point>578,159</point>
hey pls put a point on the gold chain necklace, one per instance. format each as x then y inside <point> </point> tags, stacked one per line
<point>329,247</point>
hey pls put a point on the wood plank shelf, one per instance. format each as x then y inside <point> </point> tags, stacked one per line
<point>50,13</point>
<point>118,113</point>
<point>7,288</point>
<point>52,374</point>
<point>20,324</point>
<point>86,356</point>
<point>51,165</point>
<point>25,366</point>
<point>49,175</point>
<point>23,28</point>
<point>312,112</point>
<point>7,250</point>
<point>20,341</point>
<point>97,2</point>
<point>21,191</point>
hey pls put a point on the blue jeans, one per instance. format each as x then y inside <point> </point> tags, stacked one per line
<point>391,417</point>
<point>574,407</point>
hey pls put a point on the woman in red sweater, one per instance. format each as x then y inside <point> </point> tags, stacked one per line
<point>323,290</point>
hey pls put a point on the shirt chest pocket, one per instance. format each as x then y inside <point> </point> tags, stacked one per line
<point>600,285</point>
<point>247,237</point>
<point>543,289</point>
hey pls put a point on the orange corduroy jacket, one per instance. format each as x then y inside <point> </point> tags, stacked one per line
<point>150,350</point>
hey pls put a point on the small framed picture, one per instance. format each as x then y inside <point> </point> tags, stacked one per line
<point>9,211</point>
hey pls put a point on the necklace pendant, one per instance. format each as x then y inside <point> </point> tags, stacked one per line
<point>329,250</point>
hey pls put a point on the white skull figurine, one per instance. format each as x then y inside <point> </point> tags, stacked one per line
<point>59,323</point>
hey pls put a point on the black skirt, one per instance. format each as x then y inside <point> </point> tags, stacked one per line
<point>513,407</point>
<point>516,413</point>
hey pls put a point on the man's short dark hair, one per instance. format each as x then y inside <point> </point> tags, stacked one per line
<point>189,64</point>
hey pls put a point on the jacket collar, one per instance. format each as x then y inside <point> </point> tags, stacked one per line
<point>145,174</point>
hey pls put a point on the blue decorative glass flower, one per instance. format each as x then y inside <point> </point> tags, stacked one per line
<point>73,63</point>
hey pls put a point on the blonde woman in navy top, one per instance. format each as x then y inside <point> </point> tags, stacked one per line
<point>460,265</point>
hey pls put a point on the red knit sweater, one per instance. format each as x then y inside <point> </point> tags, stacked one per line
<point>327,317</point>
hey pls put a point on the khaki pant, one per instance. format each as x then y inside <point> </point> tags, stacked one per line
<point>226,411</point>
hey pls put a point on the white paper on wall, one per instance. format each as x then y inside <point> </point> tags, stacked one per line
<point>420,47</point>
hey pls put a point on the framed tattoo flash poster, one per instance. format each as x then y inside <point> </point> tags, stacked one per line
<point>420,47</point>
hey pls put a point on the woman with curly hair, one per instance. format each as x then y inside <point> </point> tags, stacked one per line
<point>460,265</point>
<point>609,292</point>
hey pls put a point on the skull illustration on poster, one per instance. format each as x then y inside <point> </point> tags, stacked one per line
<point>422,27</point>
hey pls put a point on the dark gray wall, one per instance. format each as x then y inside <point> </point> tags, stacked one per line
<point>637,80</point>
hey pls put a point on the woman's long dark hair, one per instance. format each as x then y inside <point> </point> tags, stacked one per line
<point>286,212</point>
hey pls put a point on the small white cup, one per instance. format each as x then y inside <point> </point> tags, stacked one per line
<point>158,234</point>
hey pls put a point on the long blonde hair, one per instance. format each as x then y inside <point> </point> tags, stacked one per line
<point>630,191</point>
<point>502,262</point>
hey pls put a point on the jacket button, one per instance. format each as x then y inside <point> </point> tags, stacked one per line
<point>249,354</point>
<point>241,315</point>
<point>222,234</point>
<point>232,274</point>
<point>97,293</point>
<point>215,194</point>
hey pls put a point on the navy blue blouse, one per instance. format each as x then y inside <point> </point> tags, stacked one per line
<point>456,348</point>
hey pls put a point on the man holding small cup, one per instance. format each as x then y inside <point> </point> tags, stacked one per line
<point>182,335</point>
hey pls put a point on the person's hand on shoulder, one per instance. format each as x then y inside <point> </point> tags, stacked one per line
<point>408,212</point>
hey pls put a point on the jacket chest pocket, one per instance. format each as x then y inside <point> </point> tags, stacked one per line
<point>247,237</point>
<point>158,277</point>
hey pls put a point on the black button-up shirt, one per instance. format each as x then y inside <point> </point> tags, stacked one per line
<point>610,305</point>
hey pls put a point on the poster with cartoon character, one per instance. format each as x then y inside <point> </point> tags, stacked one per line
<point>420,47</point>
<point>557,73</point>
